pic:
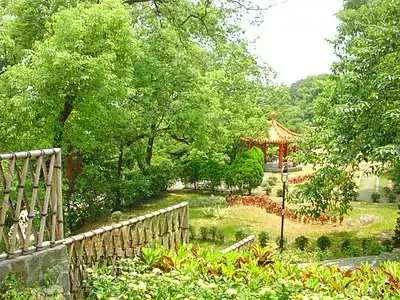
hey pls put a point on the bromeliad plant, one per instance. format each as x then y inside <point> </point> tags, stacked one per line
<point>196,273</point>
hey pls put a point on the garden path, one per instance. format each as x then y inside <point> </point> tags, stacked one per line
<point>355,262</point>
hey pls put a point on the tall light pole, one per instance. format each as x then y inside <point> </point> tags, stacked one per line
<point>284,178</point>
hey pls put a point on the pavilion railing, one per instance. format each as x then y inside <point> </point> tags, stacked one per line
<point>105,246</point>
<point>242,245</point>
<point>31,190</point>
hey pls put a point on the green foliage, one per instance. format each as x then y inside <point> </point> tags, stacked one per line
<point>263,238</point>
<point>396,238</point>
<point>375,197</point>
<point>272,181</point>
<point>247,170</point>
<point>324,242</point>
<point>279,193</point>
<point>330,190</point>
<point>217,213</point>
<point>221,235</point>
<point>204,232</point>
<point>302,242</point>
<point>240,235</point>
<point>213,232</point>
<point>50,276</point>
<point>278,241</point>
<point>386,190</point>
<point>116,216</point>
<point>267,189</point>
<point>392,197</point>
<point>13,288</point>
<point>345,245</point>
<point>192,231</point>
<point>209,274</point>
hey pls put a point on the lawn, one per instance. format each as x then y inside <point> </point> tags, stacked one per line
<point>254,220</point>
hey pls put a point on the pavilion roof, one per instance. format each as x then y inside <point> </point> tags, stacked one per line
<point>277,134</point>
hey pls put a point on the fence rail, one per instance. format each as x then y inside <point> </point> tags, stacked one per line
<point>105,246</point>
<point>31,207</point>
<point>244,244</point>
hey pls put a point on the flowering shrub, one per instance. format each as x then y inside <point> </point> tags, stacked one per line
<point>300,179</point>
<point>190,273</point>
<point>273,207</point>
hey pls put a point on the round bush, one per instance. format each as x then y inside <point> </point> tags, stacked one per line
<point>324,242</point>
<point>263,238</point>
<point>268,190</point>
<point>392,198</point>
<point>221,235</point>
<point>116,216</point>
<point>301,242</point>
<point>240,235</point>
<point>375,197</point>
<point>213,232</point>
<point>272,181</point>
<point>345,245</point>
<point>204,232</point>
<point>386,190</point>
<point>278,241</point>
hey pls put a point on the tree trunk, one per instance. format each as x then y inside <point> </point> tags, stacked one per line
<point>150,143</point>
<point>62,118</point>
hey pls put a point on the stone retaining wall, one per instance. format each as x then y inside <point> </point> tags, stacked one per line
<point>32,267</point>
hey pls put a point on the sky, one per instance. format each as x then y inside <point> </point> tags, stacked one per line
<point>292,37</point>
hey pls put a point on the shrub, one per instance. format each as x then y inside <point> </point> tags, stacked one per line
<point>204,232</point>
<point>221,235</point>
<point>324,242</point>
<point>246,171</point>
<point>392,198</point>
<point>263,238</point>
<point>279,192</point>
<point>375,196</point>
<point>387,245</point>
<point>345,245</point>
<point>267,189</point>
<point>217,213</point>
<point>278,241</point>
<point>301,242</point>
<point>116,216</point>
<point>386,191</point>
<point>213,232</point>
<point>272,181</point>
<point>192,232</point>
<point>240,234</point>
<point>258,278</point>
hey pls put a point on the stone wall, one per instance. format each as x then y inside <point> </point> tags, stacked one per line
<point>32,267</point>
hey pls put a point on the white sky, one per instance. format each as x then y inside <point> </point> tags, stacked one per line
<point>292,38</point>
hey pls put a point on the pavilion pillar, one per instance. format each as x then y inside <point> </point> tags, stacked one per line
<point>250,144</point>
<point>286,152</point>
<point>294,151</point>
<point>280,156</point>
<point>265,147</point>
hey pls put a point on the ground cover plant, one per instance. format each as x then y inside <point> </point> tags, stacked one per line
<point>254,220</point>
<point>197,273</point>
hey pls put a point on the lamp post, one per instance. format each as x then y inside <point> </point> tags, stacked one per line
<point>284,178</point>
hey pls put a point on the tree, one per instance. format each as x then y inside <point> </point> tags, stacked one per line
<point>247,170</point>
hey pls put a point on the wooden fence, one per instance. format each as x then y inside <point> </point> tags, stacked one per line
<point>30,183</point>
<point>242,245</point>
<point>105,246</point>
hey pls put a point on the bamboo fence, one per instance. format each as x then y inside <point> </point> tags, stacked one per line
<point>242,245</point>
<point>30,181</point>
<point>105,246</point>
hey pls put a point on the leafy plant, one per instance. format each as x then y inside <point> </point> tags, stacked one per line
<point>263,238</point>
<point>50,276</point>
<point>387,245</point>
<point>240,234</point>
<point>345,245</point>
<point>221,235</point>
<point>204,232</point>
<point>272,181</point>
<point>392,197</point>
<point>192,231</point>
<point>267,189</point>
<point>386,191</point>
<point>278,241</point>
<point>324,242</point>
<point>217,213</point>
<point>375,196</point>
<point>116,216</point>
<point>213,232</point>
<point>301,242</point>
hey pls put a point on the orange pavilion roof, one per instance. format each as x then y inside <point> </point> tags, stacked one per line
<point>277,134</point>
